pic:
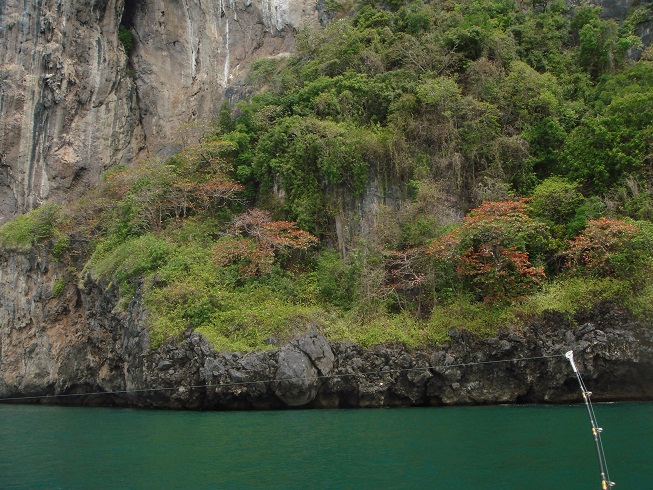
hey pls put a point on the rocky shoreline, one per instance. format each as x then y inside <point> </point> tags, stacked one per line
<point>79,342</point>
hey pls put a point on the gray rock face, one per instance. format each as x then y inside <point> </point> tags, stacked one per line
<point>302,366</point>
<point>67,110</point>
<point>72,104</point>
<point>188,54</point>
<point>613,9</point>
<point>297,382</point>
<point>70,343</point>
<point>315,347</point>
<point>79,342</point>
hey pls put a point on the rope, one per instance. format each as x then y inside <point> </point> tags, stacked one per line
<point>606,483</point>
<point>245,383</point>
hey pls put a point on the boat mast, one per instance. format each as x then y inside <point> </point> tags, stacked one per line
<point>596,430</point>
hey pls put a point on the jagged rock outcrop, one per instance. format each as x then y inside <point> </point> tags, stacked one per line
<point>81,342</point>
<point>613,9</point>
<point>72,103</point>
<point>301,367</point>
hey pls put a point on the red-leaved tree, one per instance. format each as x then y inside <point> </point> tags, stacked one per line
<point>610,247</point>
<point>490,251</point>
<point>253,241</point>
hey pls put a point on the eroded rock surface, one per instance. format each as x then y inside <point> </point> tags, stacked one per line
<point>73,103</point>
<point>190,55</point>
<point>67,109</point>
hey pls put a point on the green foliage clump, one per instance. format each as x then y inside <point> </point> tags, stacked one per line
<point>556,200</point>
<point>635,199</point>
<point>336,280</point>
<point>464,313</point>
<point>617,143</point>
<point>126,263</point>
<point>59,286</point>
<point>31,228</point>
<point>313,159</point>
<point>602,45</point>
<point>192,292</point>
<point>613,248</point>
<point>572,295</point>
<point>61,245</point>
<point>126,38</point>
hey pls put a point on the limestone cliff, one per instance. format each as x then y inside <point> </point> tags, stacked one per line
<point>190,55</point>
<point>67,110</point>
<point>53,347</point>
<point>73,103</point>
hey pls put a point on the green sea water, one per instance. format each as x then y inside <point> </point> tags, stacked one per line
<point>501,447</point>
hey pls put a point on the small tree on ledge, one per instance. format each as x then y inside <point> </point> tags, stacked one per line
<point>253,241</point>
<point>490,251</point>
<point>611,247</point>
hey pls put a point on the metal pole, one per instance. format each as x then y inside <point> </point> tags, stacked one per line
<point>596,431</point>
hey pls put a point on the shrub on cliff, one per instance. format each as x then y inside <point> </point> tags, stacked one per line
<point>556,200</point>
<point>130,261</point>
<point>191,291</point>
<point>126,38</point>
<point>197,180</point>
<point>612,248</point>
<point>31,228</point>
<point>253,241</point>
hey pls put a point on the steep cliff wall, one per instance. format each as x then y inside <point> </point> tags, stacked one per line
<point>189,54</point>
<point>67,110</point>
<point>72,340</point>
<point>79,342</point>
<point>72,104</point>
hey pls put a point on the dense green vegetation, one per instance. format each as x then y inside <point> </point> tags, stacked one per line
<point>529,119</point>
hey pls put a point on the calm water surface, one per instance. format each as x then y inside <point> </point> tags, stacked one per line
<point>504,447</point>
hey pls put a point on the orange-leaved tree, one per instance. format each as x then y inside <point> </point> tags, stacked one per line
<point>611,247</point>
<point>254,240</point>
<point>491,252</point>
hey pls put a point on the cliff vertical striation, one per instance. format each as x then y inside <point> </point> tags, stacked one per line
<point>67,109</point>
<point>189,55</point>
<point>73,102</point>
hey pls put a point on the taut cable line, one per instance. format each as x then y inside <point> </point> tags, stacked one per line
<point>606,483</point>
<point>273,380</point>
